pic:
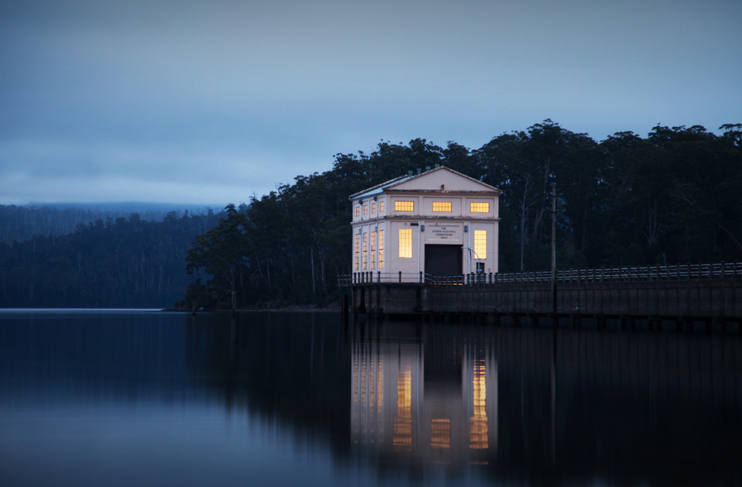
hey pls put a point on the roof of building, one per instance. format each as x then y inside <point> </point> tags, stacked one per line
<point>381,188</point>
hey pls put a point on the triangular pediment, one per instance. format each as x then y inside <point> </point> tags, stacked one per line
<point>442,178</point>
<point>438,179</point>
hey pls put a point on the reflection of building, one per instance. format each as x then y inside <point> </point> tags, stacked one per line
<point>440,222</point>
<point>434,404</point>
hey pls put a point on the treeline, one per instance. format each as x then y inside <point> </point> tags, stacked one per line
<point>19,223</point>
<point>674,196</point>
<point>126,262</point>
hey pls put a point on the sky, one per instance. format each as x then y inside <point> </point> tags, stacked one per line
<point>210,103</point>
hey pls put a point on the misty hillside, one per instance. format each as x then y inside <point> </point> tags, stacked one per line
<point>20,223</point>
<point>113,263</point>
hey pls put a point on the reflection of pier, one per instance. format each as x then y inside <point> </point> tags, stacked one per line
<point>424,401</point>
<point>558,404</point>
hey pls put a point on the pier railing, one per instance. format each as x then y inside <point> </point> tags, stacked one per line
<point>724,270</point>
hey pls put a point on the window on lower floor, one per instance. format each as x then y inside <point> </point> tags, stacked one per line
<point>381,249</point>
<point>480,244</point>
<point>357,249</point>
<point>365,251</point>
<point>405,243</point>
<point>373,251</point>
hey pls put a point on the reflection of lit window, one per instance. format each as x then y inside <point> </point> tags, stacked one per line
<point>365,251</point>
<point>380,397</point>
<point>365,210</point>
<point>405,243</point>
<point>373,208</point>
<point>356,405</point>
<point>381,249</point>
<point>478,429</point>
<point>404,206</point>
<point>402,439</point>
<point>440,433</point>
<point>357,249</point>
<point>444,206</point>
<point>480,207</point>
<point>358,211</point>
<point>480,243</point>
<point>367,419</point>
<point>373,251</point>
<point>381,206</point>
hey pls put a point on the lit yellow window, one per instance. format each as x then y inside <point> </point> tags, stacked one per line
<point>373,251</point>
<point>442,206</point>
<point>404,206</point>
<point>365,251</point>
<point>381,248</point>
<point>480,244</point>
<point>357,247</point>
<point>365,210</point>
<point>358,211</point>
<point>405,243</point>
<point>480,207</point>
<point>478,430</point>
<point>402,428</point>
<point>373,208</point>
<point>381,206</point>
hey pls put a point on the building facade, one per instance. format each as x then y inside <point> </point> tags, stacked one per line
<point>438,223</point>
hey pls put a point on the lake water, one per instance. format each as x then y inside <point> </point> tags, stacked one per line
<point>138,398</point>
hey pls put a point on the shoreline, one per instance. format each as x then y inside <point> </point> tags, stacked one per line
<point>287,309</point>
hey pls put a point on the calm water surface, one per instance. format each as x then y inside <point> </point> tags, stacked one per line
<point>109,398</point>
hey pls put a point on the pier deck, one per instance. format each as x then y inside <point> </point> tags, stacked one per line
<point>686,293</point>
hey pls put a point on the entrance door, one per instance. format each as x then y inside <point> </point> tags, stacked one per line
<point>443,260</point>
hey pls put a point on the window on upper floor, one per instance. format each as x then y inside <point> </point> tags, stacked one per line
<point>442,206</point>
<point>404,206</point>
<point>481,207</point>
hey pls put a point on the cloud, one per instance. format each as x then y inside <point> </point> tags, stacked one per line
<point>183,93</point>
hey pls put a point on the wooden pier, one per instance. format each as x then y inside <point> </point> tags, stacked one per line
<point>686,294</point>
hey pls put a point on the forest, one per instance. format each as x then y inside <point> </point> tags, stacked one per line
<point>674,196</point>
<point>19,223</point>
<point>111,263</point>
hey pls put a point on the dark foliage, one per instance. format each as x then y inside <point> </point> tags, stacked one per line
<point>20,223</point>
<point>675,196</point>
<point>117,263</point>
<point>672,197</point>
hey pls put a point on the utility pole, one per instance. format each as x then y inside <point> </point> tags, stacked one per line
<point>553,249</point>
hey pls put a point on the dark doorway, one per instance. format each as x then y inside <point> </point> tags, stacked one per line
<point>443,260</point>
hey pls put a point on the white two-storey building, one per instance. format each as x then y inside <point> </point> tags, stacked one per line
<point>438,222</point>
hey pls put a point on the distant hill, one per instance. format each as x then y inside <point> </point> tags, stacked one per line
<point>20,223</point>
<point>109,263</point>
